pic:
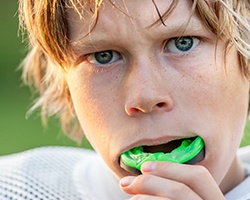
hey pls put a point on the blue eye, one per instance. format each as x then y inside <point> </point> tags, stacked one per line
<point>103,57</point>
<point>182,44</point>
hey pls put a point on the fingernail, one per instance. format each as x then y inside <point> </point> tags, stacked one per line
<point>148,166</point>
<point>126,181</point>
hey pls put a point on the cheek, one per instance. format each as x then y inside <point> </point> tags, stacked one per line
<point>94,106</point>
<point>223,102</point>
<point>219,88</point>
<point>89,113</point>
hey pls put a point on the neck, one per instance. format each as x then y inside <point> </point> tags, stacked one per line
<point>234,176</point>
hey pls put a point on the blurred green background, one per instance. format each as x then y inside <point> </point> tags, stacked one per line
<point>16,132</point>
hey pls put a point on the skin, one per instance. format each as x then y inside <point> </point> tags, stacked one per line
<point>149,94</point>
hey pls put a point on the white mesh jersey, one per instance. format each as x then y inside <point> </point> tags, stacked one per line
<point>56,173</point>
<point>65,173</point>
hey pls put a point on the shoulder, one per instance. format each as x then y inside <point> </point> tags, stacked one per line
<point>42,173</point>
<point>47,151</point>
<point>44,159</point>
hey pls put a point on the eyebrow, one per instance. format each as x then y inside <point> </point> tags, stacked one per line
<point>181,26</point>
<point>86,44</point>
<point>93,41</point>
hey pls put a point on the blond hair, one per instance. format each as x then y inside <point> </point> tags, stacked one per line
<point>50,52</point>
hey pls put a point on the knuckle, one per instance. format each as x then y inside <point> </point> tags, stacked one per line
<point>201,171</point>
<point>143,180</point>
<point>145,184</point>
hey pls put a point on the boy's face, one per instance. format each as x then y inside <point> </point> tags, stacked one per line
<point>146,87</point>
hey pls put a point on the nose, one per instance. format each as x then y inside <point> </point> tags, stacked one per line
<point>148,90</point>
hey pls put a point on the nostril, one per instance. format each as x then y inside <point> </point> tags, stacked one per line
<point>160,105</point>
<point>134,110</point>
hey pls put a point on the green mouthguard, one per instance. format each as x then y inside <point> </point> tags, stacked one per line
<point>187,151</point>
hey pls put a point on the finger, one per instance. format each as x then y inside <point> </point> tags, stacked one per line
<point>157,186</point>
<point>193,176</point>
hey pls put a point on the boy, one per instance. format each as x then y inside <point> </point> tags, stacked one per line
<point>133,74</point>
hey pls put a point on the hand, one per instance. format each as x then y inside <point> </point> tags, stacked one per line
<point>171,181</point>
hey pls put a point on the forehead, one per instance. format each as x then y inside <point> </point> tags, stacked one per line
<point>135,14</point>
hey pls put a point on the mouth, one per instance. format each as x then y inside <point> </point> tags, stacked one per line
<point>187,151</point>
<point>165,148</point>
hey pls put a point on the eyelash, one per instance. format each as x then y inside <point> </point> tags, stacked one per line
<point>113,56</point>
<point>172,43</point>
